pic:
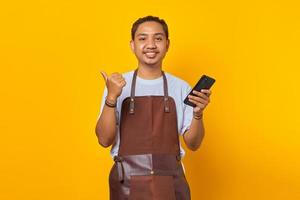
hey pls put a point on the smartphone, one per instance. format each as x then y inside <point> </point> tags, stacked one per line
<point>205,82</point>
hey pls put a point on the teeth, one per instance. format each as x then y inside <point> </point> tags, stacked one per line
<point>150,54</point>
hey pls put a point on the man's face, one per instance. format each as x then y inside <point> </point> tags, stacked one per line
<point>150,44</point>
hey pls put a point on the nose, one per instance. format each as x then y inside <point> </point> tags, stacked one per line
<point>151,44</point>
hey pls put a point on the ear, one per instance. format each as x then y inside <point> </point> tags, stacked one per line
<point>168,44</point>
<point>132,45</point>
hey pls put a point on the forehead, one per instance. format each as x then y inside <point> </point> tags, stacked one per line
<point>150,28</point>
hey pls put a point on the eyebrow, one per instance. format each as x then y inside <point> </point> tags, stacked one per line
<point>145,34</point>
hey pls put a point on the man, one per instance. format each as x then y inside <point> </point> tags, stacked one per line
<point>142,116</point>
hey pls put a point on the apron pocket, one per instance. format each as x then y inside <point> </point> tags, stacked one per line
<point>152,187</point>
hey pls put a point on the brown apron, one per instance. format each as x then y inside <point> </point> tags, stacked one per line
<point>148,165</point>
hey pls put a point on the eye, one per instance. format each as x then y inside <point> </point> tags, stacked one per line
<point>158,39</point>
<point>141,38</point>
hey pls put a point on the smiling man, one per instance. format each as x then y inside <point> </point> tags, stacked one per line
<point>142,116</point>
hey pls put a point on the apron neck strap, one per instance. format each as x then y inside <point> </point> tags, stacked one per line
<point>132,93</point>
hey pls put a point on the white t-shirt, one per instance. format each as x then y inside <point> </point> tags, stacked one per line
<point>177,88</point>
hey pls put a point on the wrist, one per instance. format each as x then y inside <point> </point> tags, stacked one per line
<point>110,101</point>
<point>197,116</point>
<point>111,98</point>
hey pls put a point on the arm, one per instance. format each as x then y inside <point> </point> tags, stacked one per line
<point>194,136</point>
<point>106,126</point>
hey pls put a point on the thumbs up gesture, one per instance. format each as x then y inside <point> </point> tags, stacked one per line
<point>114,83</point>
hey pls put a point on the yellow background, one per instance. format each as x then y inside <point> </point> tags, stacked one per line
<point>51,54</point>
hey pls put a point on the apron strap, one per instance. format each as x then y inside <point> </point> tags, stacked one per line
<point>119,161</point>
<point>132,95</point>
<point>166,98</point>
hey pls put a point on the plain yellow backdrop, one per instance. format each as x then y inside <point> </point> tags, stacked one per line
<point>51,54</point>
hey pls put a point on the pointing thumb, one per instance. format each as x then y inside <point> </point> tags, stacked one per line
<point>104,75</point>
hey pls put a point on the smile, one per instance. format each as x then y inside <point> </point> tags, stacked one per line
<point>150,54</point>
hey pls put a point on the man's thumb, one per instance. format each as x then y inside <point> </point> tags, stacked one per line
<point>104,75</point>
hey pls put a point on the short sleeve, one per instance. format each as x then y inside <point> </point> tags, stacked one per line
<point>187,111</point>
<point>102,101</point>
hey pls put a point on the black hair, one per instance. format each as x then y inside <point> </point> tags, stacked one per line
<point>149,18</point>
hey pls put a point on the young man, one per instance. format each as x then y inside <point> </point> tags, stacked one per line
<point>142,115</point>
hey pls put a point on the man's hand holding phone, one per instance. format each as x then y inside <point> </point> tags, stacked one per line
<point>199,95</point>
<point>201,100</point>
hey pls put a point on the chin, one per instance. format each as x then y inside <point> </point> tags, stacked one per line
<point>151,62</point>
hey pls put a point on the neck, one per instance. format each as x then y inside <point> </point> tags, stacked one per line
<point>149,72</point>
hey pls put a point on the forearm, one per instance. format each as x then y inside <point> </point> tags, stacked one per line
<point>106,126</point>
<point>194,136</point>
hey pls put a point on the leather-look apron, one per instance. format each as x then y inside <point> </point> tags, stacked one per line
<point>148,165</point>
